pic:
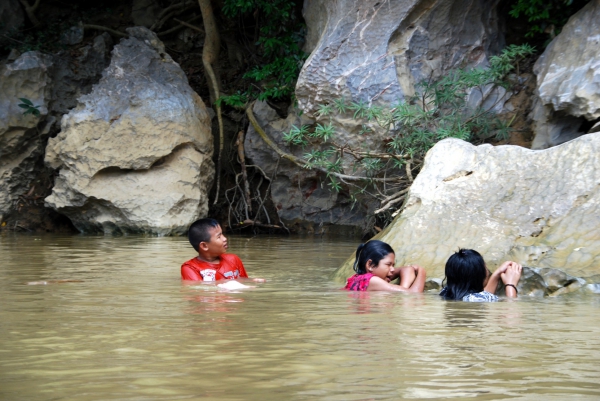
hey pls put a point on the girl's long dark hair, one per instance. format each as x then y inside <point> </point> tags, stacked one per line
<point>465,274</point>
<point>374,250</point>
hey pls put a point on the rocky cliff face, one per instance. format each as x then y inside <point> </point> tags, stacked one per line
<point>378,51</point>
<point>540,208</point>
<point>374,52</point>
<point>21,136</point>
<point>135,154</point>
<point>568,81</point>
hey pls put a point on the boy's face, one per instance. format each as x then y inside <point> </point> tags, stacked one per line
<point>217,244</point>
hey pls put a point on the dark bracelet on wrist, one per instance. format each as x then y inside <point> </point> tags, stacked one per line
<point>513,286</point>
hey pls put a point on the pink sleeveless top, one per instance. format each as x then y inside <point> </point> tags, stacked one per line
<point>359,282</point>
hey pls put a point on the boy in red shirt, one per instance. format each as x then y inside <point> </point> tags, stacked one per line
<point>212,263</point>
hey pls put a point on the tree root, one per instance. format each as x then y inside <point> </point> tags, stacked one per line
<point>170,12</point>
<point>242,157</point>
<point>30,11</point>
<point>392,200</point>
<point>105,29</point>
<point>258,224</point>
<point>182,24</point>
<point>210,54</point>
<point>409,172</point>
<point>303,163</point>
<point>187,24</point>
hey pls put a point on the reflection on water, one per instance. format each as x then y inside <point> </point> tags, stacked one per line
<point>131,331</point>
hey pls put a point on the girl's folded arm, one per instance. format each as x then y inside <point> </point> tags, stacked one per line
<point>379,284</point>
<point>419,284</point>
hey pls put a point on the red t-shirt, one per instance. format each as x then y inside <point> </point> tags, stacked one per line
<point>229,267</point>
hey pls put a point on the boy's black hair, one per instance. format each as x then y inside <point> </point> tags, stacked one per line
<point>374,250</point>
<point>198,231</point>
<point>465,272</point>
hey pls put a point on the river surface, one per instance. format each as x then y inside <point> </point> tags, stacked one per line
<point>131,331</point>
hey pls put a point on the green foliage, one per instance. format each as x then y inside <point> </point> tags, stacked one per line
<point>237,100</point>
<point>411,127</point>
<point>278,45</point>
<point>29,107</point>
<point>545,16</point>
<point>323,132</point>
<point>296,136</point>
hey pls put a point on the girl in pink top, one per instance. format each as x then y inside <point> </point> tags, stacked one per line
<point>374,267</point>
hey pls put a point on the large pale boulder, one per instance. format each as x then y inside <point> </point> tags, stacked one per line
<point>568,80</point>
<point>135,154</point>
<point>540,208</point>
<point>21,143</point>
<point>376,51</point>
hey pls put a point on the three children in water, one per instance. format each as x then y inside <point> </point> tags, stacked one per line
<point>467,277</point>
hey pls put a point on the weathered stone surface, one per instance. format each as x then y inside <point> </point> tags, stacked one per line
<point>568,80</point>
<point>377,51</point>
<point>540,208</point>
<point>315,17</point>
<point>74,73</point>
<point>301,196</point>
<point>73,35</point>
<point>135,154</point>
<point>21,141</point>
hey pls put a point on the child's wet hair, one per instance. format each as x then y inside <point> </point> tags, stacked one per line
<point>198,231</point>
<point>465,274</point>
<point>373,250</point>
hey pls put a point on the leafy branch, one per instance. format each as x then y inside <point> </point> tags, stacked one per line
<point>29,107</point>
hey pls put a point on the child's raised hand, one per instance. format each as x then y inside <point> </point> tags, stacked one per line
<point>502,268</point>
<point>512,273</point>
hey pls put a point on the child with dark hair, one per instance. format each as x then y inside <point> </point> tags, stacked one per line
<point>374,267</point>
<point>468,278</point>
<point>212,263</point>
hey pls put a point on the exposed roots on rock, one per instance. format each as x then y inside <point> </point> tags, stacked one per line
<point>30,10</point>
<point>242,159</point>
<point>301,162</point>
<point>105,29</point>
<point>170,12</point>
<point>210,55</point>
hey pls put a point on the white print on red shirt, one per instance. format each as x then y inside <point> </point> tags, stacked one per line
<point>232,275</point>
<point>208,274</point>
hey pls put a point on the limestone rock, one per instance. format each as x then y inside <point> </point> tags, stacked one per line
<point>75,73</point>
<point>73,35</point>
<point>301,196</point>
<point>568,80</point>
<point>540,208</point>
<point>316,20</point>
<point>21,141</point>
<point>135,154</point>
<point>378,51</point>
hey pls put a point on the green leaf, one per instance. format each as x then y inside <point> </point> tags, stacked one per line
<point>26,101</point>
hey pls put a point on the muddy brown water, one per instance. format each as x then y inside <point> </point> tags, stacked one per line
<point>127,329</point>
